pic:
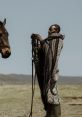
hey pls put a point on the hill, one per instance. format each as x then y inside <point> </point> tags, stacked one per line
<point>25,79</point>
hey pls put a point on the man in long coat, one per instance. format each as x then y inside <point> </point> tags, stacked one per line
<point>48,54</point>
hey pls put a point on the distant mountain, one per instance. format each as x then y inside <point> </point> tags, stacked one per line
<point>25,79</point>
<point>14,79</point>
<point>70,80</point>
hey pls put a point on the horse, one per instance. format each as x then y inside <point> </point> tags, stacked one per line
<point>5,50</point>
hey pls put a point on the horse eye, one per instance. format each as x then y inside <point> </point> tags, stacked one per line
<point>0,34</point>
<point>6,33</point>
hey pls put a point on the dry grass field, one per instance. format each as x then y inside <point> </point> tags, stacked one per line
<point>15,101</point>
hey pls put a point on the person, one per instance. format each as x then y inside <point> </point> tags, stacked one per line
<point>47,71</point>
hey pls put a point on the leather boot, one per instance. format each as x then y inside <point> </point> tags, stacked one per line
<point>53,110</point>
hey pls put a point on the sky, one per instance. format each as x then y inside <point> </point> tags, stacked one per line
<point>25,17</point>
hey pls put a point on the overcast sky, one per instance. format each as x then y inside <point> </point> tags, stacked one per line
<point>25,17</point>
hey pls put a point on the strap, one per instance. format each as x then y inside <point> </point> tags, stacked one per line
<point>33,81</point>
<point>55,55</point>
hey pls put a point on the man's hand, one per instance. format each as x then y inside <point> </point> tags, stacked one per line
<point>33,36</point>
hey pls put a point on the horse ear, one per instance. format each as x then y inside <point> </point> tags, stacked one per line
<point>4,22</point>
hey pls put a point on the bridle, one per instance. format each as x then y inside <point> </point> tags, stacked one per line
<point>2,46</point>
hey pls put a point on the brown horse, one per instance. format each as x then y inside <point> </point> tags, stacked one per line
<point>4,42</point>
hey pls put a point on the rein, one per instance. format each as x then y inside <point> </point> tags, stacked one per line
<point>34,61</point>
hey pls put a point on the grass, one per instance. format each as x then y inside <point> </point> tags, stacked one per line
<point>15,101</point>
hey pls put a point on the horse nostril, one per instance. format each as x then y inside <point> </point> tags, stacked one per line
<point>7,52</point>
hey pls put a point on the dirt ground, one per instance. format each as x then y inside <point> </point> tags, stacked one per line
<point>15,101</point>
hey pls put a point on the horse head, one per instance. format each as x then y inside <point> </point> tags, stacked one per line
<point>4,41</point>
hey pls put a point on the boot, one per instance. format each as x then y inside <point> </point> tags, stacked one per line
<point>53,110</point>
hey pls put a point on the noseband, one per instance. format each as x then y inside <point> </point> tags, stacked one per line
<point>2,46</point>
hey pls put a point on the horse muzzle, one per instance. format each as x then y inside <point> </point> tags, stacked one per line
<point>6,52</point>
